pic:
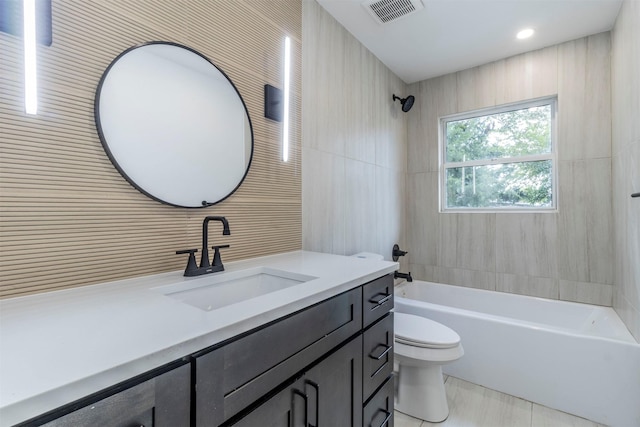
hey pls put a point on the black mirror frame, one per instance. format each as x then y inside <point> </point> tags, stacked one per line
<point>112,158</point>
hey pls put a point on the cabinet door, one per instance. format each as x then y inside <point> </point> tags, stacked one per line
<point>328,395</point>
<point>285,409</point>
<point>334,388</point>
<point>163,401</point>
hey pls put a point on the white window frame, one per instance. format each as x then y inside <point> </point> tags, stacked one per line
<point>552,155</point>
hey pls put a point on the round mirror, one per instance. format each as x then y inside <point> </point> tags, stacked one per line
<point>174,125</point>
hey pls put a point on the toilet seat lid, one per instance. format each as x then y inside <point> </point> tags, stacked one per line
<point>419,331</point>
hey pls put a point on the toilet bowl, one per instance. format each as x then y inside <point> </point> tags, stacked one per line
<point>422,346</point>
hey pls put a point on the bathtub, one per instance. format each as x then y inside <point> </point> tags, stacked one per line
<point>576,358</point>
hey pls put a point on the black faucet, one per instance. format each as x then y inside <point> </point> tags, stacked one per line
<point>205,266</point>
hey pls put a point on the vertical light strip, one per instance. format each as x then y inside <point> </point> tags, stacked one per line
<point>285,119</point>
<point>30,78</point>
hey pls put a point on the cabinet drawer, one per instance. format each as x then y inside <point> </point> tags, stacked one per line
<point>379,411</point>
<point>163,401</point>
<point>232,377</point>
<point>377,356</point>
<point>377,299</point>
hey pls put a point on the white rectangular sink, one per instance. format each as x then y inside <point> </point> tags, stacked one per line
<point>219,290</point>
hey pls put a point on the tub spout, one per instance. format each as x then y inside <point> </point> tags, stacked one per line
<point>398,275</point>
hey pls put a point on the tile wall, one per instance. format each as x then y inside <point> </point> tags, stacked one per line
<point>625,69</point>
<point>564,255</point>
<point>354,143</point>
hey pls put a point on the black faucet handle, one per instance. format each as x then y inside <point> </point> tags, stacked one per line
<point>187,251</point>
<point>191,262</point>
<point>217,261</point>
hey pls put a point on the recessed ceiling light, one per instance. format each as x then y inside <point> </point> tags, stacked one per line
<point>525,34</point>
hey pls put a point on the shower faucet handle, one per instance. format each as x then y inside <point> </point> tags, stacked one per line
<point>397,253</point>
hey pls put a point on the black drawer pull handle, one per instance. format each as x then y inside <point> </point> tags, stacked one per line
<point>317,388</point>
<point>379,302</point>
<point>387,349</point>
<point>386,420</point>
<point>293,407</point>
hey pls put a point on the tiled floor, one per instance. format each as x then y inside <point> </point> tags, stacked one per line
<point>471,405</point>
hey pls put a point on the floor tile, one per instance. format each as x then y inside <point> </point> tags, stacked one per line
<point>547,417</point>
<point>471,405</point>
<point>404,420</point>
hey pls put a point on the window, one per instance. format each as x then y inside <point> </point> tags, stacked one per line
<point>499,159</point>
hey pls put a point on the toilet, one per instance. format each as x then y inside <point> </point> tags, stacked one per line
<point>421,347</point>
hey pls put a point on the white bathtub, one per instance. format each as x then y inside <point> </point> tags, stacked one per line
<point>577,358</point>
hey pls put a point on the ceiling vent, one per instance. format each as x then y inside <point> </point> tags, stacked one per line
<point>385,11</point>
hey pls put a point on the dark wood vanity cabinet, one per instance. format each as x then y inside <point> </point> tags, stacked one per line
<point>325,366</point>
<point>377,353</point>
<point>328,365</point>
<point>232,377</point>
<point>161,401</point>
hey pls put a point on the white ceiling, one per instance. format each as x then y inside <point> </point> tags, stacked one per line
<point>453,35</point>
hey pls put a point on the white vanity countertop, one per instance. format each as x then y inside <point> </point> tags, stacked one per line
<point>60,346</point>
